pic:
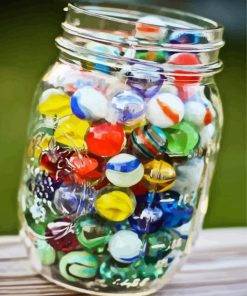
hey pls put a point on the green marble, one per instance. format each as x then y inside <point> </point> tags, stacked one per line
<point>158,56</point>
<point>91,233</point>
<point>151,271</point>
<point>45,252</point>
<point>159,245</point>
<point>181,139</point>
<point>37,226</point>
<point>114,273</point>
<point>78,265</point>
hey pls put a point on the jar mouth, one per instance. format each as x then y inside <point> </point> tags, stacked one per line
<point>184,20</point>
<point>114,24</point>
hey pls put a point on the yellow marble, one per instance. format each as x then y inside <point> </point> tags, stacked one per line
<point>71,131</point>
<point>39,143</point>
<point>55,104</point>
<point>159,175</point>
<point>115,205</point>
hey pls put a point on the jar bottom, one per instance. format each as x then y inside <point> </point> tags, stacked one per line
<point>88,292</point>
<point>49,274</point>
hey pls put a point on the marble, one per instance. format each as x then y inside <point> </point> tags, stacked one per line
<point>125,246</point>
<point>54,102</point>
<point>159,175</point>
<point>89,103</point>
<point>78,265</point>
<point>124,170</point>
<point>105,139</point>
<point>165,110</point>
<point>126,108</point>
<point>115,204</point>
<point>146,142</point>
<point>150,27</point>
<point>60,235</point>
<point>182,139</point>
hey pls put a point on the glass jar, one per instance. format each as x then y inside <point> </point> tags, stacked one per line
<point>121,148</point>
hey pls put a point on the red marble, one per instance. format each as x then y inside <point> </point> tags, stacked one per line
<point>105,139</point>
<point>60,236</point>
<point>56,162</point>
<point>185,59</point>
<point>87,168</point>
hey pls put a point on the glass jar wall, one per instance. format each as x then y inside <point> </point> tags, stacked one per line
<point>121,149</point>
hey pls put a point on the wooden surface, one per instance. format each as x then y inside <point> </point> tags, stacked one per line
<point>217,266</point>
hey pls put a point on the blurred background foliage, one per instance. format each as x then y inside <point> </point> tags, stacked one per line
<point>27,32</point>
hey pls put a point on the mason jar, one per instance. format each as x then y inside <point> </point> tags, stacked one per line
<point>122,141</point>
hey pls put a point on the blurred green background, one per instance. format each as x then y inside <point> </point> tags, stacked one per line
<point>27,32</point>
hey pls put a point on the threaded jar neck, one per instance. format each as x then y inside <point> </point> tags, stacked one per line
<point>166,32</point>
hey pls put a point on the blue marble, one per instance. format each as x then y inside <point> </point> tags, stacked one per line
<point>186,38</point>
<point>127,107</point>
<point>147,217</point>
<point>175,212</point>
<point>145,80</point>
<point>123,167</point>
<point>69,200</point>
<point>43,186</point>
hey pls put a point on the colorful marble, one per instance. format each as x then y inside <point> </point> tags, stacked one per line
<point>60,235</point>
<point>71,131</point>
<point>54,102</point>
<point>155,56</point>
<point>94,80</point>
<point>70,200</point>
<point>89,103</point>
<point>78,265</point>
<point>150,271</point>
<point>55,160</point>
<point>175,212</point>
<point>146,218</point>
<point>126,108</point>
<point>105,139</point>
<point>159,175</point>
<point>64,75</point>
<point>87,167</point>
<point>114,273</point>
<point>182,77</point>
<point>159,245</point>
<point>73,199</point>
<point>43,186</point>
<point>147,142</point>
<point>200,113</point>
<point>150,27</point>
<point>146,81</point>
<point>124,170</point>
<point>165,110</point>
<point>115,204</point>
<point>103,49</point>
<point>182,139</point>
<point>125,246</point>
<point>187,91</point>
<point>91,232</point>
<point>180,37</point>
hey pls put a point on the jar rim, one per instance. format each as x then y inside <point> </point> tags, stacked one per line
<point>93,10</point>
<point>116,25</point>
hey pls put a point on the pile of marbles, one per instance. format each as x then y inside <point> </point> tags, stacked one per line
<point>115,164</point>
